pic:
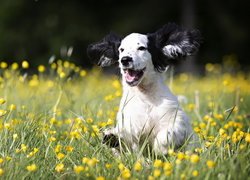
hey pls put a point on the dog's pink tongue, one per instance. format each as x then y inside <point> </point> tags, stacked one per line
<point>130,75</point>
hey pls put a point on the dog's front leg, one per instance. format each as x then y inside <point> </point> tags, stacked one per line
<point>110,138</point>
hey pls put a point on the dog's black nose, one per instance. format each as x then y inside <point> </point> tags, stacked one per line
<point>126,60</point>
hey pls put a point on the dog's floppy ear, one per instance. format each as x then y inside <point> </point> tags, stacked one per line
<point>105,52</point>
<point>172,42</point>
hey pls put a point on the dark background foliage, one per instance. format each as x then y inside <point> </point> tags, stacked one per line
<point>37,29</point>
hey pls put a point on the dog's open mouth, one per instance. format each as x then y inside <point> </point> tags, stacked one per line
<point>132,76</point>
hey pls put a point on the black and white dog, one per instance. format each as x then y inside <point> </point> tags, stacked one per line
<point>148,108</point>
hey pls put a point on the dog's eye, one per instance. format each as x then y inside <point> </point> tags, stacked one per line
<point>142,48</point>
<point>121,49</point>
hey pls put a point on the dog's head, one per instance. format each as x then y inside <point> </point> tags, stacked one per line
<point>139,54</point>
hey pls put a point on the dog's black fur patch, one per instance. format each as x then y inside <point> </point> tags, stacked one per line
<point>110,140</point>
<point>105,52</point>
<point>171,34</point>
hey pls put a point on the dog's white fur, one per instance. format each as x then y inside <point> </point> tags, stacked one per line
<point>149,108</point>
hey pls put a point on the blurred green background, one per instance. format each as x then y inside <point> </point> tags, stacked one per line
<point>35,30</point>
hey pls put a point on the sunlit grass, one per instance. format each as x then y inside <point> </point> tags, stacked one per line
<point>51,125</point>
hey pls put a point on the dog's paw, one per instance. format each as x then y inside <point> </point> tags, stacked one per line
<point>111,140</point>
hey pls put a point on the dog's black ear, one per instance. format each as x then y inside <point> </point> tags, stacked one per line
<point>105,52</point>
<point>170,43</point>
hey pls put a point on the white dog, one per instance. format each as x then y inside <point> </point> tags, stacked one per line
<point>148,110</point>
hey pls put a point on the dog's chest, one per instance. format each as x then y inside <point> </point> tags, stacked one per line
<point>137,116</point>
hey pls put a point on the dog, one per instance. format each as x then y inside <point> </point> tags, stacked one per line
<point>148,110</point>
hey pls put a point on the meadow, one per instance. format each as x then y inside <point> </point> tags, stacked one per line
<point>51,123</point>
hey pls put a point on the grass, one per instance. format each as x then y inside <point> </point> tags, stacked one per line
<point>51,125</point>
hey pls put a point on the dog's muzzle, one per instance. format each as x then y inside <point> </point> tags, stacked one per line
<point>127,62</point>
<point>132,75</point>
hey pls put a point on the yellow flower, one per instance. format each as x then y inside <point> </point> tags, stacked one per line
<point>35,150</point>
<point>25,64</point>
<point>1,160</point>
<point>32,153</point>
<point>62,75</point>
<point>7,125</point>
<point>218,116</point>
<point>211,104</point>
<point>23,147</point>
<point>210,164</point>
<point>206,117</point>
<point>158,163</point>
<point>1,171</point>
<point>171,152</point>
<point>180,156</point>
<point>3,65</point>
<point>8,158</point>
<point>33,82</point>
<point>2,101</point>
<point>95,130</point>
<point>14,66</point>
<point>108,166</point>
<point>121,166</point>
<point>167,166</point>
<point>237,135</point>
<point>85,160</point>
<point>208,144</point>
<point>52,139</point>
<point>197,129</point>
<point>247,138</point>
<point>110,121</point>
<point>109,97</point>
<point>195,173</point>
<point>75,134</point>
<point>15,136</point>
<point>58,148</point>
<point>60,156</point>
<point>12,107</point>
<point>59,167</point>
<point>53,66</point>
<point>156,173</point>
<point>31,167</point>
<point>191,107</point>
<point>76,69</point>
<point>194,158</point>
<point>198,150</point>
<point>126,173</point>
<point>66,64</point>
<point>178,161</point>
<point>242,146</point>
<point>151,178</point>
<point>222,131</point>
<point>183,176</point>
<point>168,172</point>
<point>116,84</point>
<point>100,178</point>
<point>2,112</point>
<point>78,169</point>
<point>202,125</point>
<point>83,73</point>
<point>209,67</point>
<point>69,148</point>
<point>118,93</point>
<point>137,166</point>
<point>41,68</point>
<point>92,162</point>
